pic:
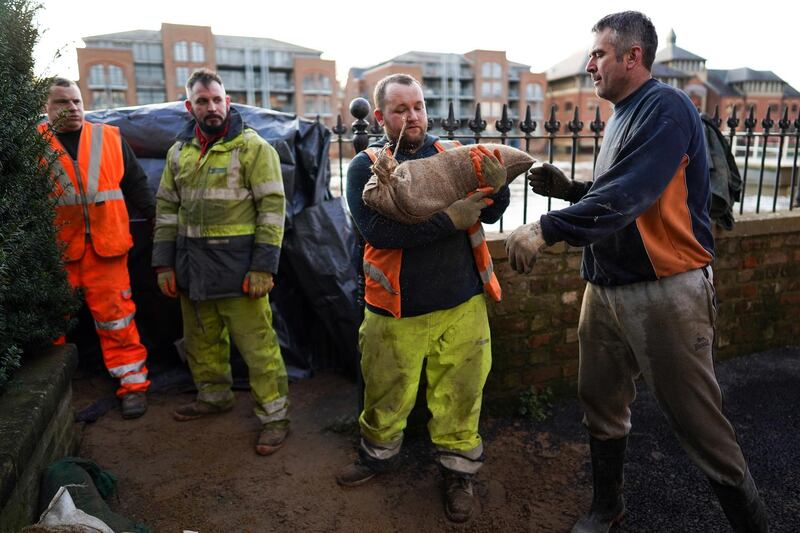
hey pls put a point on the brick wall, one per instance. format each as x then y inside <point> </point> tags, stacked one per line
<point>534,328</point>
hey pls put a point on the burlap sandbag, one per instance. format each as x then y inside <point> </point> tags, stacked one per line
<point>413,191</point>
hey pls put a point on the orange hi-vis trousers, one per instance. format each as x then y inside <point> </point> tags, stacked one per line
<point>107,289</point>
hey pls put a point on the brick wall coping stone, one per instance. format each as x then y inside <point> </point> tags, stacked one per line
<point>746,225</point>
<point>27,406</point>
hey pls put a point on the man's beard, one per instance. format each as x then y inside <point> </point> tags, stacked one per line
<point>406,145</point>
<point>209,129</point>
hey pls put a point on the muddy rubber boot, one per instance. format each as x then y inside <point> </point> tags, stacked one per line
<point>197,409</point>
<point>365,468</point>
<point>133,405</point>
<point>271,438</point>
<point>742,505</point>
<point>608,505</point>
<point>459,502</point>
<point>355,474</point>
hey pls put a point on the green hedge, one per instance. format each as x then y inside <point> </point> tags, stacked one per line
<point>35,298</point>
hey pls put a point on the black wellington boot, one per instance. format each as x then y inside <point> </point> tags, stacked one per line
<point>608,505</point>
<point>742,505</point>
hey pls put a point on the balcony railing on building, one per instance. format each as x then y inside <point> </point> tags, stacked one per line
<point>767,158</point>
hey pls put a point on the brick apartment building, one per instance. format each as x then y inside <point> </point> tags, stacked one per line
<point>480,76</point>
<point>568,85</point>
<point>147,66</point>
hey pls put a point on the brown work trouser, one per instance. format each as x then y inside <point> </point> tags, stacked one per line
<point>662,330</point>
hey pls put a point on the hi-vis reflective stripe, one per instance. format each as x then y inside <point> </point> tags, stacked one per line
<point>112,194</point>
<point>95,153</point>
<point>189,194</point>
<point>214,397</point>
<point>276,410</point>
<point>133,378</point>
<point>383,451</point>
<point>375,273</point>
<point>476,237</point>
<point>486,275</point>
<point>275,219</point>
<point>202,231</point>
<point>113,325</point>
<point>119,371</point>
<point>102,196</point>
<point>176,155</point>
<point>167,220</point>
<point>168,195</point>
<point>233,170</point>
<point>467,462</point>
<point>263,189</point>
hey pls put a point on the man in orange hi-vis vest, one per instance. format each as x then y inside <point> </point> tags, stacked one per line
<point>425,303</point>
<point>96,171</point>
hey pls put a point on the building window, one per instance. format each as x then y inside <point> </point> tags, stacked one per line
<point>230,56</point>
<point>316,82</point>
<point>181,51</point>
<point>116,78</point>
<point>568,106</point>
<point>491,70</point>
<point>181,76</point>
<point>149,76</point>
<point>150,96</point>
<point>533,92</point>
<point>491,88</point>
<point>107,98</point>
<point>97,76</point>
<point>147,53</point>
<point>279,59</point>
<point>491,109</point>
<point>317,105</point>
<point>198,52</point>
<point>107,84</point>
<point>279,80</point>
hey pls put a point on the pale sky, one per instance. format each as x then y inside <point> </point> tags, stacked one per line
<point>760,35</point>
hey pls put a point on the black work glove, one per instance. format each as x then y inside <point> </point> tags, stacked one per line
<point>548,180</point>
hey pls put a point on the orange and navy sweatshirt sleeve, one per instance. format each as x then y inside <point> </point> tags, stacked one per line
<point>646,214</point>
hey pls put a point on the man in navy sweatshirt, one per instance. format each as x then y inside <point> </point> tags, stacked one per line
<point>649,306</point>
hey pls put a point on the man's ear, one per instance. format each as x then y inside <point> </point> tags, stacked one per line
<point>188,104</point>
<point>634,56</point>
<point>379,116</point>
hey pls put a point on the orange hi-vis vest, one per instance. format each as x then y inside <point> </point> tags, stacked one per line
<point>382,266</point>
<point>90,205</point>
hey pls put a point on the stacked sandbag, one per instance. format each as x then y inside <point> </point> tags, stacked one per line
<point>413,191</point>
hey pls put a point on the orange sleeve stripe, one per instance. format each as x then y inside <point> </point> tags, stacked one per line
<point>666,230</point>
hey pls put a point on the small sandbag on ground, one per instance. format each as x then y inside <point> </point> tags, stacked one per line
<point>413,191</point>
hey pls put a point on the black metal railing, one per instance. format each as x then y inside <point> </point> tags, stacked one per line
<point>783,145</point>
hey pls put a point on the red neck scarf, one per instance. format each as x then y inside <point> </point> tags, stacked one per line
<point>206,140</point>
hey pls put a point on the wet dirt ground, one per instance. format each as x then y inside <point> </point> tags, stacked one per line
<point>204,475</point>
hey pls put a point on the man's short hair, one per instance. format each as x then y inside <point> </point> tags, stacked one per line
<point>379,96</point>
<point>58,81</point>
<point>629,28</point>
<point>203,76</point>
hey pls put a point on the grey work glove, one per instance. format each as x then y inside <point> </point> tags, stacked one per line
<point>548,180</point>
<point>465,212</point>
<point>523,247</point>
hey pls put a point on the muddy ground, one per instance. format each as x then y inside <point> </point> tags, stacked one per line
<point>204,475</point>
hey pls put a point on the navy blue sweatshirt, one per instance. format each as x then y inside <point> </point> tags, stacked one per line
<point>438,269</point>
<point>645,216</point>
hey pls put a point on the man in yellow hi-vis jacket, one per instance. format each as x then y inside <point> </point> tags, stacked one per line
<point>219,225</point>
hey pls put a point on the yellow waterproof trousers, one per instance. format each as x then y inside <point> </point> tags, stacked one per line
<point>456,343</point>
<point>208,327</point>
